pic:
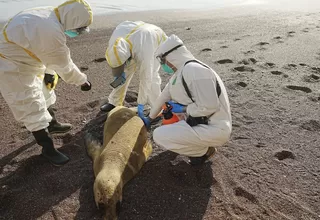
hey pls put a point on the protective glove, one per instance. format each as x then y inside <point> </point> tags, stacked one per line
<point>140,110</point>
<point>176,107</point>
<point>51,80</point>
<point>146,121</point>
<point>86,86</point>
<point>118,80</point>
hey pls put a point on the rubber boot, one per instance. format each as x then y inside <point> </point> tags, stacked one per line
<point>107,107</point>
<point>200,160</point>
<point>56,127</point>
<point>48,151</point>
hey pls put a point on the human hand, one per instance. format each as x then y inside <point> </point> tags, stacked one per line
<point>50,80</point>
<point>176,107</point>
<point>86,86</point>
<point>146,121</point>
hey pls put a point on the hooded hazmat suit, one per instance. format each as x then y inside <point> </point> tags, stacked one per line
<point>180,137</point>
<point>31,43</point>
<point>136,40</point>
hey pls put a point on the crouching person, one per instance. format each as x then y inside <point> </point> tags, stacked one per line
<point>198,92</point>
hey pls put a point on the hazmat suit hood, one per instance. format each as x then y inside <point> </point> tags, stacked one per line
<point>75,14</point>
<point>177,57</point>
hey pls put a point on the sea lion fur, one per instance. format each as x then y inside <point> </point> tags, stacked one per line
<point>124,151</point>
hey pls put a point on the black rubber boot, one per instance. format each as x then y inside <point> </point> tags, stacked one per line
<point>56,127</point>
<point>200,160</point>
<point>48,151</point>
<point>107,107</point>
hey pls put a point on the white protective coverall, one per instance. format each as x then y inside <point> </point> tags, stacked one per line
<point>138,40</point>
<point>32,43</point>
<point>180,137</point>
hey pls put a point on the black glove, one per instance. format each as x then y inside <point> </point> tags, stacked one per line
<point>86,86</point>
<point>50,80</point>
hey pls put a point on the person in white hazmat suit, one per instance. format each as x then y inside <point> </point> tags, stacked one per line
<point>131,49</point>
<point>33,43</point>
<point>196,92</point>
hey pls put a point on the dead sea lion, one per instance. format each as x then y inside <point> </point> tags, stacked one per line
<point>124,150</point>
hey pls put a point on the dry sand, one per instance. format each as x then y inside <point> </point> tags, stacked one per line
<point>270,169</point>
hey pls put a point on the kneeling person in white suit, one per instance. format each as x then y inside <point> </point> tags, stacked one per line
<point>196,91</point>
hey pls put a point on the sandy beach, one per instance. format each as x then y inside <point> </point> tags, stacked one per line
<point>270,168</point>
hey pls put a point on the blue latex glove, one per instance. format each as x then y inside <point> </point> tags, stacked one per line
<point>122,75</point>
<point>146,122</point>
<point>140,111</point>
<point>176,107</point>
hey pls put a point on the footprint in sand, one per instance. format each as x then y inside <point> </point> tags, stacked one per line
<point>206,49</point>
<point>224,61</point>
<point>262,45</point>
<point>278,39</point>
<point>224,47</point>
<point>276,73</point>
<point>291,34</point>
<point>306,30</point>
<point>311,125</point>
<point>84,68</point>
<point>237,39</point>
<point>284,154</point>
<point>93,104</point>
<point>248,61</point>
<point>240,192</point>
<point>315,98</point>
<point>300,88</point>
<point>312,78</point>
<point>315,70</point>
<point>290,66</point>
<point>244,69</point>
<point>303,64</point>
<point>242,84</point>
<point>249,52</point>
<point>99,60</point>
<point>267,65</point>
<point>261,145</point>
<point>87,107</point>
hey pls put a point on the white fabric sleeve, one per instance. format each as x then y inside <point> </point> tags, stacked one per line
<point>164,97</point>
<point>145,81</point>
<point>52,50</point>
<point>147,60</point>
<point>205,97</point>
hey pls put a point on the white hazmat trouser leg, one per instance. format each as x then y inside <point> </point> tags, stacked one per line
<point>24,95</point>
<point>188,141</point>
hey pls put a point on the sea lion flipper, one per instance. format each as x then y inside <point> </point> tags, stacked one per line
<point>93,146</point>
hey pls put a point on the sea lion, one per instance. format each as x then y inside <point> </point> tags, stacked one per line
<point>124,151</point>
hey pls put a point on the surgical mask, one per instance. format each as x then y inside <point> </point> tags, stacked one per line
<point>77,32</point>
<point>71,33</point>
<point>167,69</point>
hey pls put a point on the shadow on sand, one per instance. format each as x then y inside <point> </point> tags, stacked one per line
<point>159,191</point>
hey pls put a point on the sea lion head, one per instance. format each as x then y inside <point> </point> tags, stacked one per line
<point>108,195</point>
